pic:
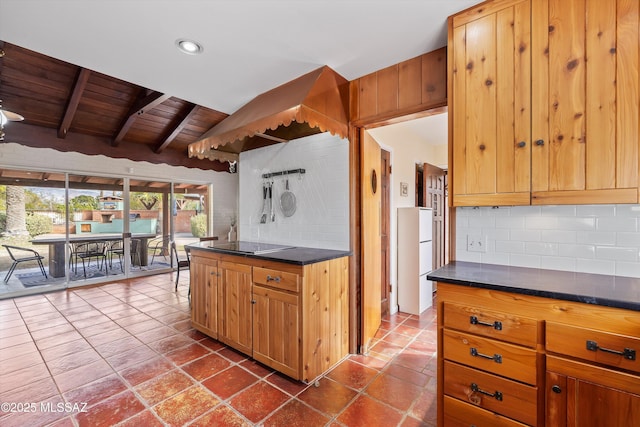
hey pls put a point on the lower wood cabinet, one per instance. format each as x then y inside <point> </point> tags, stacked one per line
<point>580,394</point>
<point>276,329</point>
<point>235,312</point>
<point>204,295</point>
<point>293,318</point>
<point>511,359</point>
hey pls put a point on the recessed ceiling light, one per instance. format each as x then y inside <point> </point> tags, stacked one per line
<point>189,47</point>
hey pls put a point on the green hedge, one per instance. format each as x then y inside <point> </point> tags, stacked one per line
<point>38,224</point>
<point>199,225</point>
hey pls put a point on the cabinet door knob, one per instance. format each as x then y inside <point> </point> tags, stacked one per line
<point>539,142</point>
<point>522,144</point>
<point>253,301</point>
<point>556,389</point>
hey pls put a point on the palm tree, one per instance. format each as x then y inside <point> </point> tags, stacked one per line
<point>16,212</point>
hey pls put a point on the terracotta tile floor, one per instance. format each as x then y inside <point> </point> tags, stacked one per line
<point>125,354</point>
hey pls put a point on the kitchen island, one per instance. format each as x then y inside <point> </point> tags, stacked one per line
<point>523,346</point>
<point>284,306</point>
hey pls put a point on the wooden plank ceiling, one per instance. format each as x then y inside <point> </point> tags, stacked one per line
<point>69,108</point>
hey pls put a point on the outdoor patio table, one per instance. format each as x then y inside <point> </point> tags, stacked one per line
<point>56,242</point>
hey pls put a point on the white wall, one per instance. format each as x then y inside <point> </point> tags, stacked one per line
<point>225,185</point>
<point>601,239</point>
<point>321,219</point>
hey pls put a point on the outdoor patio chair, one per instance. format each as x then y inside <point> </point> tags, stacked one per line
<point>180,263</point>
<point>19,254</point>
<point>158,246</point>
<point>89,250</point>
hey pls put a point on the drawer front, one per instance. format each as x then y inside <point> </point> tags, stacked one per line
<point>500,358</point>
<point>493,324</point>
<point>502,396</point>
<point>461,414</point>
<point>619,351</point>
<point>276,279</point>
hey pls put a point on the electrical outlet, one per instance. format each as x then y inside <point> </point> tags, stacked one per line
<point>476,243</point>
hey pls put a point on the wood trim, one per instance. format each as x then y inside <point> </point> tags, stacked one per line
<point>41,137</point>
<point>481,10</point>
<point>501,199</point>
<point>584,197</point>
<point>354,237</point>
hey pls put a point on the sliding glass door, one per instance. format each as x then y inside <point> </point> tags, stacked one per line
<point>70,229</point>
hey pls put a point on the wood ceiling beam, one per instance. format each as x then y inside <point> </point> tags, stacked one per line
<point>42,137</point>
<point>73,102</point>
<point>187,114</point>
<point>145,103</point>
<point>1,55</point>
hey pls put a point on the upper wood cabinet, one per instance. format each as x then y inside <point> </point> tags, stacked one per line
<point>585,101</point>
<point>490,104</point>
<point>543,101</point>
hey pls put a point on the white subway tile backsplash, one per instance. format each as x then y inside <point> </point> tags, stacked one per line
<point>577,251</point>
<point>617,224</point>
<point>541,248</point>
<point>558,236</point>
<point>526,235</point>
<point>576,223</point>
<point>617,254</point>
<point>531,261</point>
<point>541,223</point>
<point>602,239</point>
<point>595,266</point>
<point>558,263</point>
<point>631,211</point>
<point>558,210</point>
<point>510,247</point>
<point>596,210</point>
<point>597,238</point>
<point>628,269</point>
<point>321,218</point>
<point>511,222</point>
<point>627,239</point>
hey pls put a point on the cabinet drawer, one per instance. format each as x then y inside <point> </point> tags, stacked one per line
<point>508,360</point>
<point>494,324</point>
<point>276,279</point>
<point>619,351</point>
<point>461,414</point>
<point>500,395</point>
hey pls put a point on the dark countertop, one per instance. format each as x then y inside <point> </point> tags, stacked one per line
<point>292,255</point>
<point>598,289</point>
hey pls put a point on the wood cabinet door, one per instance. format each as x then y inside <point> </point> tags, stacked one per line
<point>276,330</point>
<point>204,295</point>
<point>585,101</point>
<point>490,104</point>
<point>579,394</point>
<point>234,297</point>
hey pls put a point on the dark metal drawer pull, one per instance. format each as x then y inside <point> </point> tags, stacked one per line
<point>496,357</point>
<point>275,279</point>
<point>496,325</point>
<point>627,353</point>
<point>497,394</point>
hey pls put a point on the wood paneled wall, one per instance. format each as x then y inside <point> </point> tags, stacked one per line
<point>406,88</point>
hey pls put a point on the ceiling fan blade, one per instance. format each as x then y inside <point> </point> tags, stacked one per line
<point>11,116</point>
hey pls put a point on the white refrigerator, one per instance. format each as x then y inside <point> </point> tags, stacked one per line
<point>415,259</point>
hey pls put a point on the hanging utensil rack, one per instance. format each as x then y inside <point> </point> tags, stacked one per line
<point>289,172</point>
